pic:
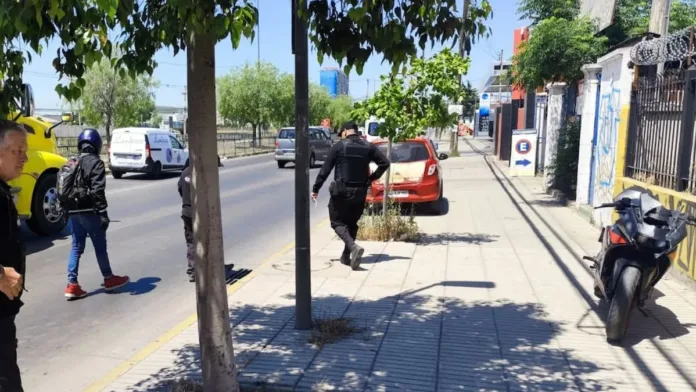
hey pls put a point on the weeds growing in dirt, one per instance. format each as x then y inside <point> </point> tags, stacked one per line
<point>377,226</point>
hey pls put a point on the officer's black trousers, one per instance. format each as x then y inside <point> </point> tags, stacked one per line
<point>10,380</point>
<point>345,212</point>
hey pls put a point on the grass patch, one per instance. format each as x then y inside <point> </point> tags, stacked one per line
<point>377,226</point>
<point>332,330</point>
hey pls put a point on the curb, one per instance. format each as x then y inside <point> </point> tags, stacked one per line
<point>149,349</point>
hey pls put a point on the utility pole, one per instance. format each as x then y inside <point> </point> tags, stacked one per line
<point>303,275</point>
<point>659,22</point>
<point>500,82</point>
<point>367,91</point>
<point>258,68</point>
<point>463,40</point>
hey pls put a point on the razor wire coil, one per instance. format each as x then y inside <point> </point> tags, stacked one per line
<point>674,47</point>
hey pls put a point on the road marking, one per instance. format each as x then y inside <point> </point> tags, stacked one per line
<point>148,350</point>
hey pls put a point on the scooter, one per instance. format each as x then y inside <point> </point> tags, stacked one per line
<point>636,252</point>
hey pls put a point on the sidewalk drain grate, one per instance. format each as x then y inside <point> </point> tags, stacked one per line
<point>233,276</point>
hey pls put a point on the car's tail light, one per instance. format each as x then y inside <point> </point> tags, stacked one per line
<point>148,151</point>
<point>616,238</point>
<point>277,145</point>
<point>432,169</point>
<point>108,150</point>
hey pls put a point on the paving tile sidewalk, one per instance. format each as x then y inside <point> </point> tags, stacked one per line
<point>493,298</point>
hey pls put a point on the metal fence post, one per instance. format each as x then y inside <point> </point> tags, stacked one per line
<point>686,136</point>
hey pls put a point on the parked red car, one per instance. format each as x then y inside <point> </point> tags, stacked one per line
<point>416,175</point>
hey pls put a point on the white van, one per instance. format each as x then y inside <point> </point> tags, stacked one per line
<point>145,150</point>
<point>371,127</point>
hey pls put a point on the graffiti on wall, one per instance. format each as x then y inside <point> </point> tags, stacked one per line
<point>607,134</point>
<point>686,253</point>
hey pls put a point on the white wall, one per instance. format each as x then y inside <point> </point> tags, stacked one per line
<point>615,92</point>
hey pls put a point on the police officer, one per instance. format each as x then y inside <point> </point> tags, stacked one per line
<point>13,156</point>
<point>187,216</point>
<point>351,159</point>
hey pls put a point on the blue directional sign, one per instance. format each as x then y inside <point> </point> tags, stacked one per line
<point>524,162</point>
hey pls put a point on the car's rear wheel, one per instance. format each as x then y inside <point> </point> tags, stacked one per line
<point>312,161</point>
<point>435,207</point>
<point>117,174</point>
<point>281,164</point>
<point>47,216</point>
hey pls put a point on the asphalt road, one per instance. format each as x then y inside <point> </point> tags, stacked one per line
<point>65,346</point>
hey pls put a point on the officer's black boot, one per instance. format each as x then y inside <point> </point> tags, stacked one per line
<point>345,257</point>
<point>356,252</point>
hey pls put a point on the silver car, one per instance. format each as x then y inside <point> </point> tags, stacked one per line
<point>319,146</point>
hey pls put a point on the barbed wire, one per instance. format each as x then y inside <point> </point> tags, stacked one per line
<point>673,47</point>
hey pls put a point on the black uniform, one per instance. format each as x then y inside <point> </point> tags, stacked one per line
<point>12,255</point>
<point>351,158</point>
<point>187,216</point>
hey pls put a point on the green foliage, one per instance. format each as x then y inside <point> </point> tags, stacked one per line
<point>470,101</point>
<point>564,168</point>
<point>351,31</point>
<point>319,101</point>
<point>410,101</point>
<point>339,111</point>
<point>112,100</point>
<point>556,51</point>
<point>82,30</point>
<point>538,10</point>
<point>248,95</point>
<point>633,18</point>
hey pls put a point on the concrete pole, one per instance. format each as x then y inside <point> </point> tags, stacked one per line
<point>554,121</point>
<point>659,22</point>
<point>587,130</point>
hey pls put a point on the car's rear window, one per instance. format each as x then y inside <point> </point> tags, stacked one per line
<point>286,134</point>
<point>406,152</point>
<point>372,128</point>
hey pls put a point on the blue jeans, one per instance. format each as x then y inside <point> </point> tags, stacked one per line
<point>83,226</point>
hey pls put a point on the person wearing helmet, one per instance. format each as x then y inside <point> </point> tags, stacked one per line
<point>88,216</point>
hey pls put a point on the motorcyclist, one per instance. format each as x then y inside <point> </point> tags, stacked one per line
<point>89,217</point>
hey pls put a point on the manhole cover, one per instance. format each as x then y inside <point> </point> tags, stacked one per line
<point>290,265</point>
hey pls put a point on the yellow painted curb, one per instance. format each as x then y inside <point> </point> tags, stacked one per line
<point>128,364</point>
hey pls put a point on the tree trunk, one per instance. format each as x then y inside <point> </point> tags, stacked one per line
<point>253,134</point>
<point>387,178</point>
<point>217,356</point>
<point>454,145</point>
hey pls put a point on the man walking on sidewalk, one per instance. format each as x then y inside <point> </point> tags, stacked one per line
<point>185,193</point>
<point>89,216</point>
<point>13,156</point>
<point>351,158</point>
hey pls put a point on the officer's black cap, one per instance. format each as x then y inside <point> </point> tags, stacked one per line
<point>350,125</point>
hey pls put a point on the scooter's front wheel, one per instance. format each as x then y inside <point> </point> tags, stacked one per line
<point>622,304</point>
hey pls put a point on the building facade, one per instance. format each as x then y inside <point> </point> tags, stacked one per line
<point>335,81</point>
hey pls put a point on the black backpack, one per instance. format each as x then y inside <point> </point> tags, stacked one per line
<point>70,186</point>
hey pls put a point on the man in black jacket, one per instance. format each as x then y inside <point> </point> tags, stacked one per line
<point>187,216</point>
<point>13,155</point>
<point>88,216</point>
<point>351,158</point>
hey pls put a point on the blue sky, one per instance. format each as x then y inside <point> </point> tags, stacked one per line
<point>274,22</point>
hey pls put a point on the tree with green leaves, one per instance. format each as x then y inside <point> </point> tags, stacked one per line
<point>632,18</point>
<point>350,31</point>
<point>556,51</point>
<point>538,10</point>
<point>248,95</point>
<point>113,100</point>
<point>284,105</point>
<point>319,101</point>
<point>471,100</point>
<point>339,111</point>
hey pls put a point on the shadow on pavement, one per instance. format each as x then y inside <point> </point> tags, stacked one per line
<point>138,287</point>
<point>35,243</point>
<point>410,340</point>
<point>638,331</point>
<point>457,238</point>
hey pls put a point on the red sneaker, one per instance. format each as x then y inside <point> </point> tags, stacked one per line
<point>115,282</point>
<point>74,291</point>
